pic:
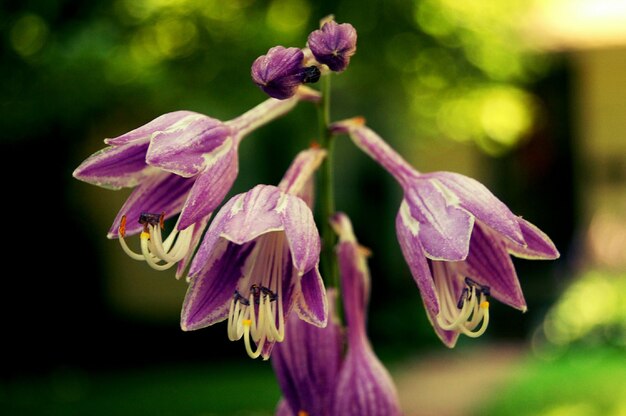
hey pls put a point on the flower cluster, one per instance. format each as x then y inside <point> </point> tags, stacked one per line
<point>257,266</point>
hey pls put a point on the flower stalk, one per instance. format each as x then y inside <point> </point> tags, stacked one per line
<point>326,189</point>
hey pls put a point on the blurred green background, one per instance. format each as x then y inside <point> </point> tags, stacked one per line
<point>525,96</point>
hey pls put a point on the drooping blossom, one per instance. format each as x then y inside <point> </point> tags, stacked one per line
<point>456,237</point>
<point>259,260</point>
<point>329,371</point>
<point>181,162</point>
<point>333,44</point>
<point>308,363</point>
<point>364,386</point>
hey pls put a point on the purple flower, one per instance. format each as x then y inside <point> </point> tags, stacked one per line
<point>307,364</point>
<point>258,260</point>
<point>281,72</point>
<point>364,386</point>
<point>181,162</point>
<point>316,378</point>
<point>333,44</point>
<point>456,237</point>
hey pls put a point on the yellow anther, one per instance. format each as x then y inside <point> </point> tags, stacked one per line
<point>145,235</point>
<point>303,413</point>
<point>246,322</point>
<point>484,305</point>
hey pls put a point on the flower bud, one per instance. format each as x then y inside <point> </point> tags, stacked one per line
<point>280,72</point>
<point>333,45</point>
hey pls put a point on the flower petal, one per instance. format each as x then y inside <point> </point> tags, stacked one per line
<point>477,199</point>
<point>195,239</point>
<point>116,167</point>
<point>312,305</point>
<point>213,235</point>
<point>209,294</point>
<point>145,132</point>
<point>407,229</point>
<point>283,409</point>
<point>449,338</point>
<point>187,146</point>
<point>365,386</point>
<point>160,193</point>
<point>307,363</point>
<point>210,188</point>
<point>255,213</point>
<point>489,264</point>
<point>301,170</point>
<point>371,143</point>
<point>538,244</point>
<point>444,229</point>
<point>302,234</point>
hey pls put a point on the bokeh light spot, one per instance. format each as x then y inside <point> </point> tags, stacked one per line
<point>29,34</point>
<point>288,16</point>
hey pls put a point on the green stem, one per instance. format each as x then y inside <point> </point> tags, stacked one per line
<point>327,191</point>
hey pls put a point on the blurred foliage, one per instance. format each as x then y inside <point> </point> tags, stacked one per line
<point>584,382</point>
<point>592,311</point>
<point>448,69</point>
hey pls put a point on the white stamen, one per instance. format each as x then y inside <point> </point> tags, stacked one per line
<point>159,254</point>
<point>259,316</point>
<point>474,306</point>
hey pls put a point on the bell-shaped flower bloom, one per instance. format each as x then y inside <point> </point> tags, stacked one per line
<point>364,386</point>
<point>333,44</point>
<point>181,162</point>
<point>281,71</point>
<point>259,260</point>
<point>456,237</point>
<point>314,374</point>
<point>307,364</point>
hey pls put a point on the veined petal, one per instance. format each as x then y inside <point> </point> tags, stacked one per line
<point>538,244</point>
<point>444,229</point>
<point>477,199</point>
<point>116,167</point>
<point>372,144</point>
<point>256,213</point>
<point>186,147</point>
<point>301,170</point>
<point>355,277</point>
<point>211,187</point>
<point>301,231</point>
<point>365,386</point>
<point>210,292</point>
<point>407,229</point>
<point>145,132</point>
<point>307,364</point>
<point>312,305</point>
<point>260,115</point>
<point>489,264</point>
<point>195,239</point>
<point>213,235</point>
<point>160,193</point>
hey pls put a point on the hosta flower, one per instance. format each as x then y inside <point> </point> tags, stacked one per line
<point>307,365</point>
<point>258,260</point>
<point>280,72</point>
<point>314,374</point>
<point>333,44</point>
<point>364,386</point>
<point>181,162</point>
<point>456,237</point>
